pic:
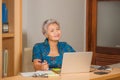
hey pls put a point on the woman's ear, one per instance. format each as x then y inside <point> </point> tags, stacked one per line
<point>46,35</point>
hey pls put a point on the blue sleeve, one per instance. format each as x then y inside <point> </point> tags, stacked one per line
<point>69,48</point>
<point>36,52</point>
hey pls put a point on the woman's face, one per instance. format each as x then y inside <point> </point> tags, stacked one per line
<point>53,32</point>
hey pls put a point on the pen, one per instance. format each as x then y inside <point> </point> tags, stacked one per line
<point>40,61</point>
<point>44,65</point>
<point>43,61</point>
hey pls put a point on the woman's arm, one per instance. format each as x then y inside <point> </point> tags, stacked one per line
<point>39,65</point>
<point>37,58</point>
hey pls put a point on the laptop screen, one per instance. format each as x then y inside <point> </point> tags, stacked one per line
<point>75,62</point>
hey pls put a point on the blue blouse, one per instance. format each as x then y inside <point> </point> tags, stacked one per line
<point>41,51</point>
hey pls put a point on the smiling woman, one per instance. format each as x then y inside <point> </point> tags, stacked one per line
<point>51,29</point>
<point>49,54</point>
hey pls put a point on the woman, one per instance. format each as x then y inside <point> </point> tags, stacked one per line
<point>49,54</point>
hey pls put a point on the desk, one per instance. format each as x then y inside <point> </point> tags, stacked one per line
<point>79,76</point>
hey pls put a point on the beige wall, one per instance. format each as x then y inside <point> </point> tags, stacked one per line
<point>70,14</point>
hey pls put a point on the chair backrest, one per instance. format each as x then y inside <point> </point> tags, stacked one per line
<point>27,60</point>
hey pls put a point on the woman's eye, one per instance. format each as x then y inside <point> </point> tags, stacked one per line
<point>52,31</point>
<point>58,29</point>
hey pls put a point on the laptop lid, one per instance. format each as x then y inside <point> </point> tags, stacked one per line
<point>76,62</point>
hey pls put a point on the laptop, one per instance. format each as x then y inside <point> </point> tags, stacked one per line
<point>76,62</point>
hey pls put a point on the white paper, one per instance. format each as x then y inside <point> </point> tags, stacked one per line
<point>27,74</point>
<point>30,74</point>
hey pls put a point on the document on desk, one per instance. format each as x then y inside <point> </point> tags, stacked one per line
<point>39,73</point>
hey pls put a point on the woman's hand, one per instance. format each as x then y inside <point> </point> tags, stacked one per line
<point>39,65</point>
<point>45,65</point>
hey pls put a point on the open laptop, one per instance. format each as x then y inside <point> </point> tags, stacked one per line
<point>76,62</point>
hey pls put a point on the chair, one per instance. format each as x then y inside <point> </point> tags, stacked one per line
<point>27,60</point>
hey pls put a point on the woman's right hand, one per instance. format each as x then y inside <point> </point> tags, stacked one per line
<point>45,65</point>
<point>39,65</point>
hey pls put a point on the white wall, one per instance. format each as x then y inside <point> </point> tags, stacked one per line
<point>108,24</point>
<point>70,14</point>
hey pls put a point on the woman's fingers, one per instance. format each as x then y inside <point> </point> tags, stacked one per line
<point>45,65</point>
<point>45,62</point>
<point>37,64</point>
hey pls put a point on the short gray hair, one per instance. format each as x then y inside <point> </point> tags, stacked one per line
<point>47,23</point>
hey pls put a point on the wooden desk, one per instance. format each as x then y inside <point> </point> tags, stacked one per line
<point>114,75</point>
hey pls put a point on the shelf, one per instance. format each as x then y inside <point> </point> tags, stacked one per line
<point>7,35</point>
<point>12,41</point>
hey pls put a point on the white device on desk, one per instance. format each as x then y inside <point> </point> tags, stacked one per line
<point>76,62</point>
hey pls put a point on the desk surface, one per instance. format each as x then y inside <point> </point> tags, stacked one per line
<point>79,76</point>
